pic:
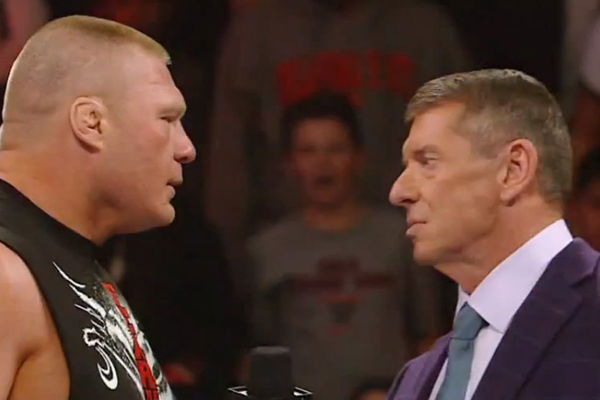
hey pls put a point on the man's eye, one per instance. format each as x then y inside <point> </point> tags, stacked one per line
<point>428,162</point>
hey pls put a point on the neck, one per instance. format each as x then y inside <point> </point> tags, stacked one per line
<point>334,218</point>
<point>62,197</point>
<point>470,270</point>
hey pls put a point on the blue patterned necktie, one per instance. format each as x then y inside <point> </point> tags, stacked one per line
<point>460,354</point>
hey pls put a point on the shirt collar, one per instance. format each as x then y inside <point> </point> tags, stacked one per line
<point>513,279</point>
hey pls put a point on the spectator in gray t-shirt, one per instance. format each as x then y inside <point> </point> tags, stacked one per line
<point>335,281</point>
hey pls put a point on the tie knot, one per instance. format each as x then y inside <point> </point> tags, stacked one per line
<point>468,323</point>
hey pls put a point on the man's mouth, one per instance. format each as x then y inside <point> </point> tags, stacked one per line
<point>173,184</point>
<point>324,181</point>
<point>412,226</point>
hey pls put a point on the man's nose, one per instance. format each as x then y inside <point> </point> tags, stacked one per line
<point>403,191</point>
<point>185,152</point>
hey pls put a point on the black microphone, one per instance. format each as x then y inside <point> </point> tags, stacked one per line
<point>270,377</point>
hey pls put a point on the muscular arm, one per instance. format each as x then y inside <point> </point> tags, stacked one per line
<point>16,342</point>
<point>31,359</point>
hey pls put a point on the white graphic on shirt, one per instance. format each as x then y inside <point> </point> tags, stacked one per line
<point>110,336</point>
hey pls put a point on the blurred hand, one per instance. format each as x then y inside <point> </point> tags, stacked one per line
<point>178,374</point>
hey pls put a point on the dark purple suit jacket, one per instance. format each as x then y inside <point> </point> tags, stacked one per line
<point>551,349</point>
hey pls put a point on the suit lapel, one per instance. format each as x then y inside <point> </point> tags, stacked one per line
<point>432,367</point>
<point>547,308</point>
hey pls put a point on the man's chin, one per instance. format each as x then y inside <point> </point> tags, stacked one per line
<point>325,201</point>
<point>159,219</point>
<point>167,217</point>
<point>424,256</point>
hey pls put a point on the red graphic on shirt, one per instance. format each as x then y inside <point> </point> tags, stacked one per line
<point>339,283</point>
<point>346,72</point>
<point>146,375</point>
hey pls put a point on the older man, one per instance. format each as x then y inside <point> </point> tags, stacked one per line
<point>92,146</point>
<point>488,168</point>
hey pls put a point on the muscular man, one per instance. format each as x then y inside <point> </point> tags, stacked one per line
<point>92,146</point>
<point>488,169</point>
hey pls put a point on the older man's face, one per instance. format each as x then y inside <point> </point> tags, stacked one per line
<point>450,192</point>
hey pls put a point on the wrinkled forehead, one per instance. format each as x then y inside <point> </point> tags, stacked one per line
<point>438,127</point>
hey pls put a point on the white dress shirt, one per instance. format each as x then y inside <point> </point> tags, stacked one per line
<point>501,293</point>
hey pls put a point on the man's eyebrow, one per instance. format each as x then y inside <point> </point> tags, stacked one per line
<point>428,148</point>
<point>404,151</point>
<point>182,111</point>
<point>419,152</point>
<point>178,110</point>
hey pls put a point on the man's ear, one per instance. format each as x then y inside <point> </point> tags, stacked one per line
<point>86,116</point>
<point>519,171</point>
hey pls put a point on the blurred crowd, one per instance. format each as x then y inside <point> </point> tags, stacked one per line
<point>283,233</point>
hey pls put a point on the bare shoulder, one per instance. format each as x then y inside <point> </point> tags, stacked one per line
<point>29,344</point>
<point>21,303</point>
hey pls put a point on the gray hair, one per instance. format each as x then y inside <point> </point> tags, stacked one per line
<point>502,105</point>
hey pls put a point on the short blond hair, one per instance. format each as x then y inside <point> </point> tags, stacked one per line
<point>104,30</point>
<point>503,105</point>
<point>66,47</point>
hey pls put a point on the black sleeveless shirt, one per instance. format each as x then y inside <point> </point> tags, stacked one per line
<point>106,352</point>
